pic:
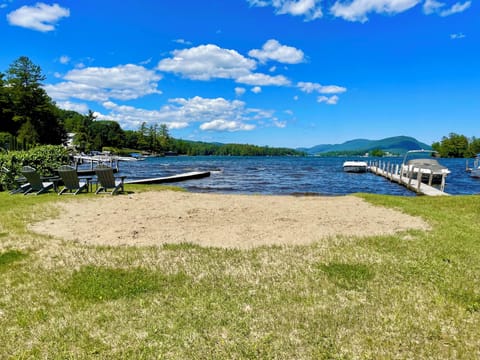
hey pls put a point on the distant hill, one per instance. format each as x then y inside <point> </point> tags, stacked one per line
<point>394,145</point>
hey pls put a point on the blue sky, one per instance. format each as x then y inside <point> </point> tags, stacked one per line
<point>267,72</point>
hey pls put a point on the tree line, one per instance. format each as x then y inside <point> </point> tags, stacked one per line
<point>29,117</point>
<point>457,146</point>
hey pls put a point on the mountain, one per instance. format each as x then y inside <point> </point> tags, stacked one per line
<point>394,145</point>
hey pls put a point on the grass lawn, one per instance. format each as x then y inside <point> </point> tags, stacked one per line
<point>415,295</point>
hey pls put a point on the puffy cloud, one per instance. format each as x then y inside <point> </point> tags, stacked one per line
<point>309,87</point>
<point>122,82</point>
<point>41,17</point>
<point>67,90</point>
<point>431,6</point>
<point>224,125</point>
<point>213,114</point>
<point>239,91</point>
<point>310,9</point>
<point>207,62</point>
<point>257,90</point>
<point>357,10</point>
<point>273,50</point>
<point>258,79</point>
<point>68,105</point>
<point>332,100</point>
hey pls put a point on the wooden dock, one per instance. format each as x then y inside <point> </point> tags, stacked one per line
<point>173,178</point>
<point>393,173</point>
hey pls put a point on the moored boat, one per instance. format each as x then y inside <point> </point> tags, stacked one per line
<point>422,160</point>
<point>475,170</point>
<point>355,166</point>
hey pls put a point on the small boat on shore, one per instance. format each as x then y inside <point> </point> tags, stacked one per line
<point>355,166</point>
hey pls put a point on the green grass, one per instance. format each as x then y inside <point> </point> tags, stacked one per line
<point>9,257</point>
<point>414,295</point>
<point>95,283</point>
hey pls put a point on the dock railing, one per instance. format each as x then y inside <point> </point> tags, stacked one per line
<point>409,176</point>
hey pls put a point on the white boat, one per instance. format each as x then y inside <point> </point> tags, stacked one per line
<point>355,166</point>
<point>475,170</point>
<point>422,160</point>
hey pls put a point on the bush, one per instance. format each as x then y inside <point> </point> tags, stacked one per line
<point>45,159</point>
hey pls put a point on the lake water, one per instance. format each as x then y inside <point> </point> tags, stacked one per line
<point>286,175</point>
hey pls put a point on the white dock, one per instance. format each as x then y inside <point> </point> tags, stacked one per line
<point>172,178</point>
<point>393,173</point>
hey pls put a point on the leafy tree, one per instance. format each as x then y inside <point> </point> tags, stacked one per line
<point>32,107</point>
<point>6,112</point>
<point>454,145</point>
<point>474,147</point>
<point>165,141</point>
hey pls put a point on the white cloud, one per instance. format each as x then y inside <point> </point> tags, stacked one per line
<point>124,82</point>
<point>309,87</point>
<point>431,6</point>
<point>225,125</point>
<point>66,90</point>
<point>310,9</point>
<point>213,114</point>
<point>182,41</point>
<point>239,91</point>
<point>68,105</point>
<point>257,90</point>
<point>41,17</point>
<point>273,50</point>
<point>64,59</point>
<point>357,10</point>
<point>457,36</point>
<point>456,8</point>
<point>207,62</point>
<point>258,79</point>
<point>332,100</point>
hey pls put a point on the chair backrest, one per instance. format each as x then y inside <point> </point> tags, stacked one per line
<point>69,176</point>
<point>33,177</point>
<point>105,176</point>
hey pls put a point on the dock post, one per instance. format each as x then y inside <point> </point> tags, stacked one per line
<point>442,185</point>
<point>419,179</point>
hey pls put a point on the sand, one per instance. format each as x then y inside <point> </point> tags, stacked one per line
<point>229,221</point>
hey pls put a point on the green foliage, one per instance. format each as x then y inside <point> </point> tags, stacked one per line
<point>377,153</point>
<point>194,148</point>
<point>9,257</point>
<point>94,283</point>
<point>457,146</point>
<point>29,112</point>
<point>348,276</point>
<point>46,159</point>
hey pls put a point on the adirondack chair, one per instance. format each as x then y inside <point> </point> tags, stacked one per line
<point>71,182</point>
<point>107,180</point>
<point>37,186</point>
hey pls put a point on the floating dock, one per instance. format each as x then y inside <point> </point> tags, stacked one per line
<point>393,173</point>
<point>173,178</point>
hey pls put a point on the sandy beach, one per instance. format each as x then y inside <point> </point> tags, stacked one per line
<point>229,221</point>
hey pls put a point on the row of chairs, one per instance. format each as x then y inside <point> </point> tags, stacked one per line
<point>72,184</point>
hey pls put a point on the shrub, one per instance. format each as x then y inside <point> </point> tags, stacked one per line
<point>45,159</point>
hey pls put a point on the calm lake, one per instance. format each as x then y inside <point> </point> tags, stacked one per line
<point>286,175</point>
